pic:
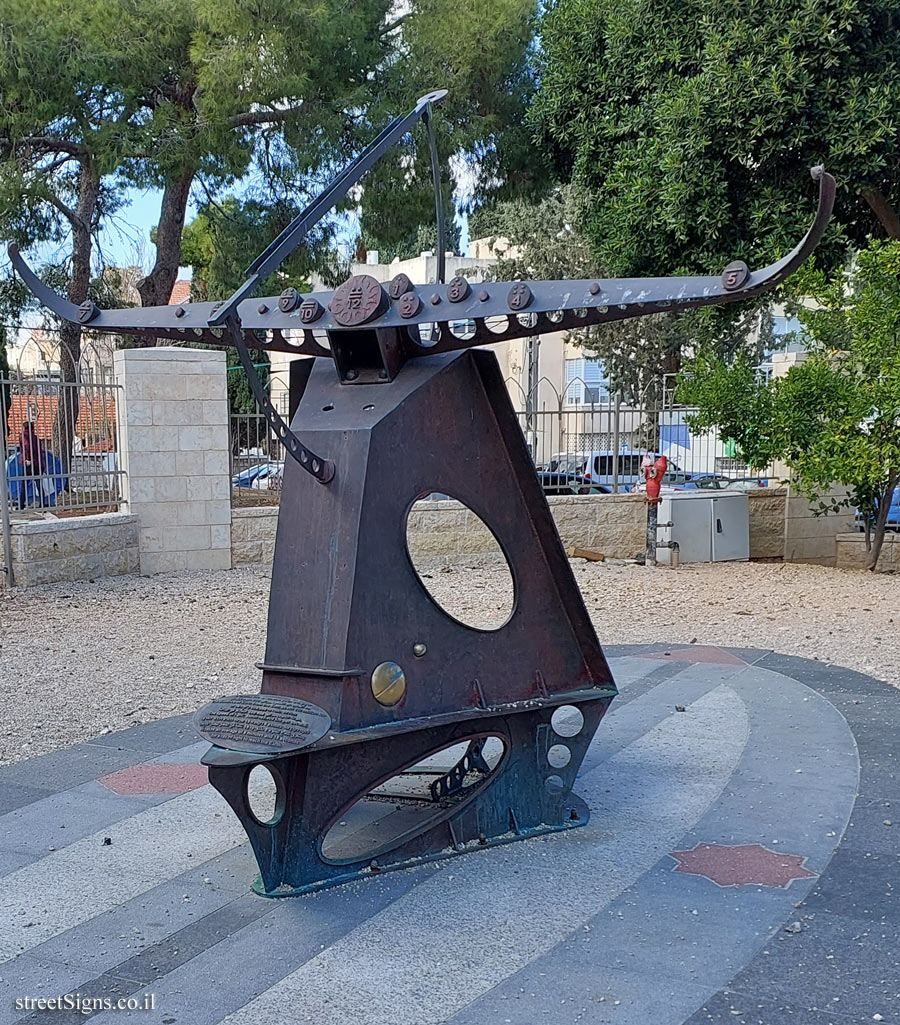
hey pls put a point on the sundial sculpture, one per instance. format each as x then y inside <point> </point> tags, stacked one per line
<point>365,676</point>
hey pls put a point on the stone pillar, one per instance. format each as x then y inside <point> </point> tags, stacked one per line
<point>173,431</point>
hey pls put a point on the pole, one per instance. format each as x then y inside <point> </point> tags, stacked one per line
<point>616,442</point>
<point>4,519</point>
<point>652,520</point>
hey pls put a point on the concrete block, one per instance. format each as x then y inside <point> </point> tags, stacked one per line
<point>202,439</point>
<point>153,439</point>
<point>163,562</point>
<point>175,413</point>
<point>170,489</point>
<point>157,514</point>
<point>220,535</point>
<point>214,411</point>
<point>246,552</point>
<point>218,513</point>
<point>148,464</point>
<point>189,464</point>
<point>186,539</point>
<point>138,412</point>
<point>212,558</point>
<point>217,462</point>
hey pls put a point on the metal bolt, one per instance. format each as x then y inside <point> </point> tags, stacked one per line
<point>419,649</point>
<point>435,299</point>
<point>262,308</point>
<point>373,865</point>
<point>382,374</point>
<point>351,375</point>
<point>179,311</point>
<point>483,296</point>
<point>594,288</point>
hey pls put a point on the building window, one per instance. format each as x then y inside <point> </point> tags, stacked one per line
<point>586,382</point>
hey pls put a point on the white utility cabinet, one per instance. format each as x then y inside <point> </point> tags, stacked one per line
<point>708,526</point>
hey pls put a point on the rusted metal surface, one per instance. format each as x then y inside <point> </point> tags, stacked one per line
<point>378,708</point>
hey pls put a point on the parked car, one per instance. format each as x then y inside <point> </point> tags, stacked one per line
<point>719,482</point>
<point>673,480</point>
<point>260,477</point>
<point>569,484</point>
<point>893,516</point>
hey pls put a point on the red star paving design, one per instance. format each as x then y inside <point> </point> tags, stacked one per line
<point>742,865</point>
<point>697,653</point>
<point>156,778</point>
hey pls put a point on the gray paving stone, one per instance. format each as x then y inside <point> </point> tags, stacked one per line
<point>158,737</point>
<point>578,993</point>
<point>836,965</point>
<point>72,766</point>
<point>729,1008</point>
<point>29,976</point>
<point>867,832</point>
<point>104,943</point>
<point>64,817</point>
<point>226,976</point>
<point>859,885</point>
<point>14,795</point>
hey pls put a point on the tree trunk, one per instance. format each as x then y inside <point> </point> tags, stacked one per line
<point>156,288</point>
<point>70,334</point>
<point>884,506</point>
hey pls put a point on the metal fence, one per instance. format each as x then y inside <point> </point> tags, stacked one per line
<point>60,446</point>
<point>606,439</point>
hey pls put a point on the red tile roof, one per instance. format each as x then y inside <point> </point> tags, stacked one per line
<point>94,424</point>
<point>181,292</point>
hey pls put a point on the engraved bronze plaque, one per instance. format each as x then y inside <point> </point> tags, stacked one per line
<point>262,723</point>
<point>735,275</point>
<point>359,299</point>
<point>519,296</point>
<point>458,289</point>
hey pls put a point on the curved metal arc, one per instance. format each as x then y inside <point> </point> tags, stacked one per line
<point>53,300</point>
<point>317,466</point>
<point>601,300</point>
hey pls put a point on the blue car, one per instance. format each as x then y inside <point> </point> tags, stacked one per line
<point>261,477</point>
<point>893,517</point>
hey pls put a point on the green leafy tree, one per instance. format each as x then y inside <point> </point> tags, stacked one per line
<point>541,239</point>
<point>834,418</point>
<point>690,124</point>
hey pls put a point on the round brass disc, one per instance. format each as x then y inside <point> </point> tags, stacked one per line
<point>388,683</point>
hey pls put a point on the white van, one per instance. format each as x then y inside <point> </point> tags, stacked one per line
<point>598,466</point>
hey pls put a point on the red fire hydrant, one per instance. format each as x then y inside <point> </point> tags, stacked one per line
<point>653,475</point>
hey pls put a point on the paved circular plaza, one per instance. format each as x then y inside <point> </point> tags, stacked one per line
<point>741,865</point>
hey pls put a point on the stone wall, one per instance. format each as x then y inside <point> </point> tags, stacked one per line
<point>852,554</point>
<point>80,548</point>
<point>253,534</point>
<point>811,538</point>
<point>173,425</point>
<point>766,506</point>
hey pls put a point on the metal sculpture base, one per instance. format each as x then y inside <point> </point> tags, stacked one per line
<point>394,733</point>
<point>313,841</point>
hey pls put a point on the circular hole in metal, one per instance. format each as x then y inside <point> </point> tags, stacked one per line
<point>388,683</point>
<point>425,335</point>
<point>554,785</point>
<point>328,408</point>
<point>559,756</point>
<point>369,406</point>
<point>463,329</point>
<point>446,584</point>
<point>567,721</point>
<point>556,316</point>
<point>580,312</point>
<point>497,324</point>
<point>264,795</point>
<point>527,320</point>
<point>322,338</point>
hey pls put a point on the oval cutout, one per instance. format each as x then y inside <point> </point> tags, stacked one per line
<point>442,573</point>
<point>263,795</point>
<point>413,800</point>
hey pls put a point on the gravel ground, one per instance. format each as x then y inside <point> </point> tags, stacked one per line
<point>80,660</point>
